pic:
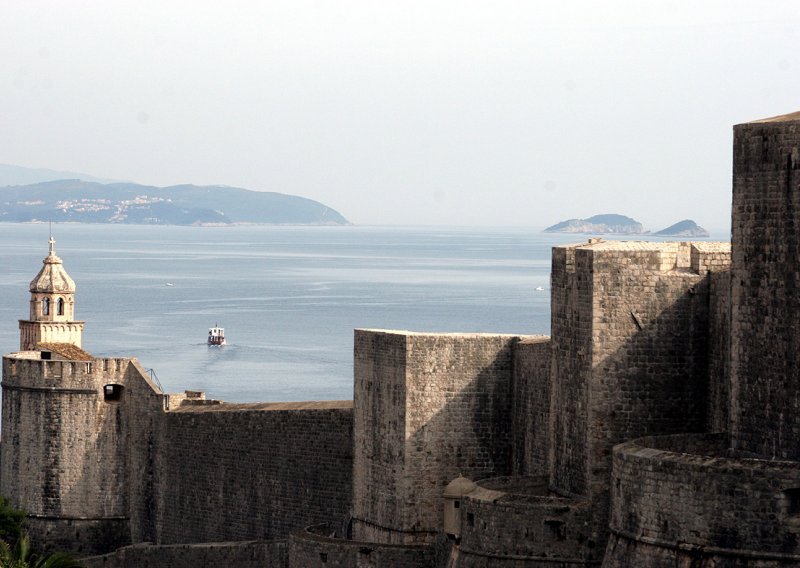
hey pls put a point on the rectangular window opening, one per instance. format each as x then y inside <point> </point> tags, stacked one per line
<point>791,502</point>
<point>112,393</point>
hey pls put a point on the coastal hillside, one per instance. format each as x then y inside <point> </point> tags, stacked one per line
<point>91,202</point>
<point>599,224</point>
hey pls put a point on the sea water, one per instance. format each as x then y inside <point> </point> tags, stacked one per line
<point>288,297</point>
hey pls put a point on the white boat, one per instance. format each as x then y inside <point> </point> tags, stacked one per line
<point>216,335</point>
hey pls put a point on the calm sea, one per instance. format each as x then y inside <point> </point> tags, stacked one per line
<point>288,297</point>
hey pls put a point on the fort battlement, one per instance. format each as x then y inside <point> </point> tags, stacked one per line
<point>575,445</point>
<point>688,498</point>
<point>28,368</point>
<point>511,519</point>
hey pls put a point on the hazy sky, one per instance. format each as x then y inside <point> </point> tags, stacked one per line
<point>434,112</point>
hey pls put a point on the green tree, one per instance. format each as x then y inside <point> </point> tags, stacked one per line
<point>21,556</point>
<point>11,520</point>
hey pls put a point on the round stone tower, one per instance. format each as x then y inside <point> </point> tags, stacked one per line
<point>62,456</point>
<point>52,307</point>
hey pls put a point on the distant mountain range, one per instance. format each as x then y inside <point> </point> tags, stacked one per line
<point>18,175</point>
<point>621,225</point>
<point>81,201</point>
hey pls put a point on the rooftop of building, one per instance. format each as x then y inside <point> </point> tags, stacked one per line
<point>649,246</point>
<point>52,277</point>
<point>268,406</point>
<point>450,334</point>
<point>58,352</point>
<point>66,351</point>
<point>791,117</point>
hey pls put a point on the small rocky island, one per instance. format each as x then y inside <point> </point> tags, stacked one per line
<point>614,224</point>
<point>599,224</point>
<point>685,228</point>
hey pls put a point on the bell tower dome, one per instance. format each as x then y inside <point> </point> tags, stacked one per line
<point>52,307</point>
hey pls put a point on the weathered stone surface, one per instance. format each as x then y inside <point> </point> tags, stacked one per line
<point>719,351</point>
<point>315,547</point>
<point>686,493</point>
<point>530,428</point>
<point>64,451</point>
<point>765,278</point>
<point>517,522</point>
<point>428,407</point>
<point>250,472</point>
<point>249,554</point>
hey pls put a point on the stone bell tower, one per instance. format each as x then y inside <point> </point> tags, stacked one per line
<point>52,309</point>
<point>65,423</point>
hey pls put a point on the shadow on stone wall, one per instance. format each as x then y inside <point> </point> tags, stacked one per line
<point>652,378</point>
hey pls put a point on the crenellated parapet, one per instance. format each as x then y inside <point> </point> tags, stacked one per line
<point>64,452</point>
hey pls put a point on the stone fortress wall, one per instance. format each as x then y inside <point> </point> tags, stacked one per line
<point>657,426</point>
<point>530,431</point>
<point>252,471</point>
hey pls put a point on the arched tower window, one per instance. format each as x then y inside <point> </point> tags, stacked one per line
<point>60,307</point>
<point>46,307</point>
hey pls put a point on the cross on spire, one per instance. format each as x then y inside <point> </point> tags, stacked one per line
<point>52,242</point>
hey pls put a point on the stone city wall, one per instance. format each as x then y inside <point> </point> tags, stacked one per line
<point>314,547</point>
<point>256,554</point>
<point>428,407</point>
<point>531,407</point>
<point>766,289</point>
<point>252,471</point>
<point>719,351</point>
<point>680,497</point>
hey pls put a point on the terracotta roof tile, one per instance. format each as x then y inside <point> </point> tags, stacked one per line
<point>68,351</point>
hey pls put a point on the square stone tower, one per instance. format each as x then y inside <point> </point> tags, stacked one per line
<point>427,408</point>
<point>630,353</point>
<point>765,288</point>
